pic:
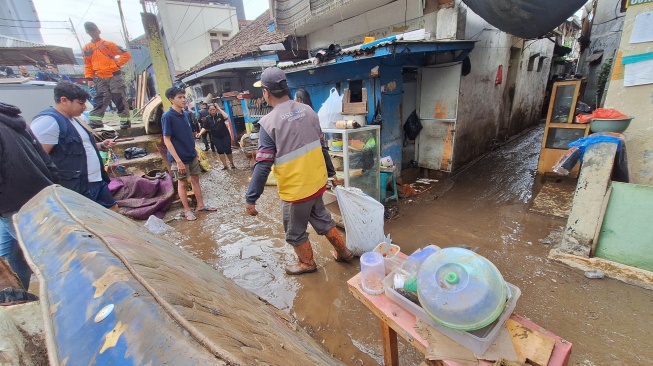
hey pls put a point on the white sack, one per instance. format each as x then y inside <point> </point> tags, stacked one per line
<point>363,217</point>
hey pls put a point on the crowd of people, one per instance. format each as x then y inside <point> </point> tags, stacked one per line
<point>60,148</point>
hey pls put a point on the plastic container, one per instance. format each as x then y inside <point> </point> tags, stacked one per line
<point>389,253</point>
<point>477,341</point>
<point>372,273</point>
<point>610,125</point>
<point>460,289</point>
<point>415,260</point>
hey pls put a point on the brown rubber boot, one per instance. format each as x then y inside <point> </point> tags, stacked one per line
<point>306,263</point>
<point>342,254</point>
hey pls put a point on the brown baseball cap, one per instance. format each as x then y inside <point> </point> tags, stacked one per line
<point>272,78</point>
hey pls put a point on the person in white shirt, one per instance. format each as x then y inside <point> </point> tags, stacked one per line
<point>72,146</point>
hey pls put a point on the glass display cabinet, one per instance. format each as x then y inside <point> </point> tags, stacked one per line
<point>560,128</point>
<point>355,154</point>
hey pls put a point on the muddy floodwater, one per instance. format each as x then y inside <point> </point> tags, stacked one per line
<point>484,208</point>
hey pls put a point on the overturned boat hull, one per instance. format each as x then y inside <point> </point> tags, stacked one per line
<point>113,293</point>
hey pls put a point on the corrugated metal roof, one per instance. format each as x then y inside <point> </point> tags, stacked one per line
<point>14,51</point>
<point>366,50</point>
<point>11,42</point>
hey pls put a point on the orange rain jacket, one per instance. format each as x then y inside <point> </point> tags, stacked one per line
<point>100,59</point>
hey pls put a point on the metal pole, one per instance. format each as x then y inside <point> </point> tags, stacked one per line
<point>124,25</point>
<point>81,48</point>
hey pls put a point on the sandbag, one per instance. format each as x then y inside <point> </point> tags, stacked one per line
<point>363,217</point>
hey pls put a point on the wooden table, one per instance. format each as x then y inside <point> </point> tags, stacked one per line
<point>396,320</point>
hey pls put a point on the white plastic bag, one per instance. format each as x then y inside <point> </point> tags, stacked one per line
<point>156,225</point>
<point>331,110</point>
<point>363,217</point>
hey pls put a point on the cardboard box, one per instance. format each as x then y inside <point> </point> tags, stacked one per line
<point>354,108</point>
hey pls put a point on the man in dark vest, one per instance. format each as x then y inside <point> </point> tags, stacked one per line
<point>72,146</point>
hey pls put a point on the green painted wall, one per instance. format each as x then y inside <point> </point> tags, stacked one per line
<point>626,235</point>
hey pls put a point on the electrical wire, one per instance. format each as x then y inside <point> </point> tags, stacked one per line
<point>182,20</point>
<point>86,12</point>
<point>36,21</point>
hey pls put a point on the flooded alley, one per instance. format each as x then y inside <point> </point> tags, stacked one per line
<point>485,208</point>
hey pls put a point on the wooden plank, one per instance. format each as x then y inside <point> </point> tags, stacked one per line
<point>143,91</point>
<point>445,164</point>
<point>390,349</point>
<point>137,103</point>
<point>532,347</point>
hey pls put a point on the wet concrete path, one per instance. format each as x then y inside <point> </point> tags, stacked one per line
<point>484,208</point>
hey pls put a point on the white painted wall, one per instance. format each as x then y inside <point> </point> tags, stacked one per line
<point>187,27</point>
<point>381,22</point>
<point>481,118</point>
<point>636,101</point>
<point>23,10</point>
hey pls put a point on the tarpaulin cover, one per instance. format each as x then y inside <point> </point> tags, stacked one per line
<point>525,18</point>
<point>577,149</point>
<point>601,113</point>
<point>139,197</point>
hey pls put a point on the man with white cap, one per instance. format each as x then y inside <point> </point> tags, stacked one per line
<point>290,138</point>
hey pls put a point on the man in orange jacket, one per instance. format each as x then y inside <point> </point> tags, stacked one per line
<point>102,63</point>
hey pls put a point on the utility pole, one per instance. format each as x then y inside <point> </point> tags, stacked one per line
<point>81,48</point>
<point>124,25</point>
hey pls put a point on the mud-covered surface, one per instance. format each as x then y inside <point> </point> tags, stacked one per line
<point>485,208</point>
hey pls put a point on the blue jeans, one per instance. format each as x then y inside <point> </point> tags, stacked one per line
<point>11,252</point>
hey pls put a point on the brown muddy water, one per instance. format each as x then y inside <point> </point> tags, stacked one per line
<point>485,208</point>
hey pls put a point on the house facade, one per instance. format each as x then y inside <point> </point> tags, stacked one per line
<point>603,22</point>
<point>630,89</point>
<point>467,102</point>
<point>191,30</point>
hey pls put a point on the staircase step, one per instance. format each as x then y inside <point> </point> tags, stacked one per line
<point>147,142</point>
<point>138,166</point>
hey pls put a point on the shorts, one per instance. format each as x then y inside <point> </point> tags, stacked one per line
<point>100,193</point>
<point>192,168</point>
<point>297,215</point>
<point>222,143</point>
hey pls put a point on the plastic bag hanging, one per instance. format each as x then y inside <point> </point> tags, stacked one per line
<point>331,110</point>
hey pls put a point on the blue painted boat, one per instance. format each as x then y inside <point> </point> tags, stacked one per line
<point>112,293</point>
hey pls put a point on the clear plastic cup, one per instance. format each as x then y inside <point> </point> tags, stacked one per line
<point>414,261</point>
<point>372,272</point>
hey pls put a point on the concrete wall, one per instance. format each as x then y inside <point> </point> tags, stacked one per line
<point>489,112</point>
<point>605,36</point>
<point>23,10</point>
<point>636,101</point>
<point>381,22</point>
<point>187,26</point>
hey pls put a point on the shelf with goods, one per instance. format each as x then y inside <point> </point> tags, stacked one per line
<point>358,163</point>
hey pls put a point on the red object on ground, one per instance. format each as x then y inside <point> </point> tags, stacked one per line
<point>601,113</point>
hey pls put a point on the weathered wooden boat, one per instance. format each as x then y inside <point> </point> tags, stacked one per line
<point>525,18</point>
<point>114,294</point>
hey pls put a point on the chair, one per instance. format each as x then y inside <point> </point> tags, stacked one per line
<point>384,187</point>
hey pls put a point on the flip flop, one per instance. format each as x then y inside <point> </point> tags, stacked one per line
<point>208,208</point>
<point>190,216</point>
